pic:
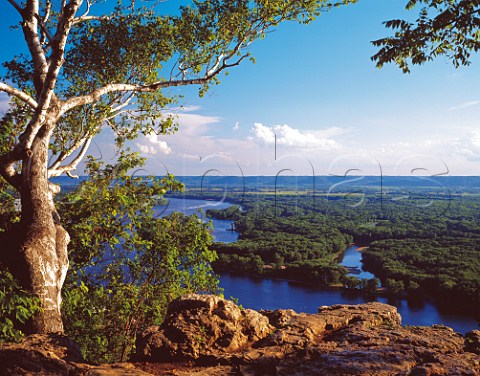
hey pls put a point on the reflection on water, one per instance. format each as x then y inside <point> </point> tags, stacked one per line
<point>277,294</point>
<point>353,259</point>
<point>260,293</point>
<point>221,228</point>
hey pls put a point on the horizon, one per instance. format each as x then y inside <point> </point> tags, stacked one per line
<point>294,176</point>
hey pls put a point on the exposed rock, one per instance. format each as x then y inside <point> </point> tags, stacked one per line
<point>54,355</point>
<point>205,335</point>
<point>472,342</point>
<point>40,355</point>
<point>365,339</point>
<point>201,326</point>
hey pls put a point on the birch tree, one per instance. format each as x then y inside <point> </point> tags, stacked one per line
<point>88,65</point>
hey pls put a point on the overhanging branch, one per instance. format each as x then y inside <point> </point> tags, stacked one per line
<point>16,6</point>
<point>25,98</point>
<point>57,170</point>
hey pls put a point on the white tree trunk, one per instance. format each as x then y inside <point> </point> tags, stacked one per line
<point>44,241</point>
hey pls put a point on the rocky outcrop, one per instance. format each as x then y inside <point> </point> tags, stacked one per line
<point>54,355</point>
<point>205,335</point>
<point>218,338</point>
<point>202,326</point>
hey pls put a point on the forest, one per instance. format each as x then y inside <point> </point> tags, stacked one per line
<point>423,245</point>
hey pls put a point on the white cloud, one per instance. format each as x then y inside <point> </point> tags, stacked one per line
<point>236,127</point>
<point>192,129</point>
<point>464,105</point>
<point>153,145</point>
<point>186,116</point>
<point>286,135</point>
<point>469,146</point>
<point>195,120</point>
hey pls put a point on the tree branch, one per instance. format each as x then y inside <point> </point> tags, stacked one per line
<point>42,20</point>
<point>16,6</point>
<point>25,98</point>
<point>95,95</point>
<point>30,32</point>
<point>57,170</point>
<point>89,18</point>
<point>8,171</point>
<point>46,77</point>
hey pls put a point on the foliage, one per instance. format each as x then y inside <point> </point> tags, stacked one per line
<point>123,82</point>
<point>231,213</point>
<point>394,287</point>
<point>16,307</point>
<point>444,27</point>
<point>447,268</point>
<point>414,248</point>
<point>127,263</point>
<point>89,65</point>
<point>351,283</point>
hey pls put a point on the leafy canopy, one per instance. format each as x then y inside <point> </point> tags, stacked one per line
<point>115,68</point>
<point>127,263</point>
<point>449,28</point>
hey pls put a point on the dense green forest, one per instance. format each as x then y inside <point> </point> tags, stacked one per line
<point>418,244</point>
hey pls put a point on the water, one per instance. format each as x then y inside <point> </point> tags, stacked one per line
<point>220,232</point>
<point>353,259</point>
<point>264,293</point>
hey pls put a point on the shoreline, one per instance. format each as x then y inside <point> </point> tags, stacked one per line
<point>335,286</point>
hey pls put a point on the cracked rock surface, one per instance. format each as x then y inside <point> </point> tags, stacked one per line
<point>208,335</point>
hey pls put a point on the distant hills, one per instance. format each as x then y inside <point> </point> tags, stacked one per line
<point>453,184</point>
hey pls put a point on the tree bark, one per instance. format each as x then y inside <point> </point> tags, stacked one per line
<point>43,245</point>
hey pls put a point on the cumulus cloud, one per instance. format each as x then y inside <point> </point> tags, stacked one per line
<point>236,127</point>
<point>286,135</point>
<point>153,145</point>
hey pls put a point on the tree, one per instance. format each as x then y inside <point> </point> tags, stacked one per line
<point>444,27</point>
<point>394,287</point>
<point>127,263</point>
<point>85,71</point>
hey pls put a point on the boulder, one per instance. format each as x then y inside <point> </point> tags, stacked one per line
<point>201,326</point>
<point>472,342</point>
<point>219,338</point>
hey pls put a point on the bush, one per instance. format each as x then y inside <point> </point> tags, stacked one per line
<point>16,307</point>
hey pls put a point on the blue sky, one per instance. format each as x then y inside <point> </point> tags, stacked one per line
<point>317,90</point>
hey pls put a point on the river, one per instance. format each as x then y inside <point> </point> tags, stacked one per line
<point>264,293</point>
<point>221,228</point>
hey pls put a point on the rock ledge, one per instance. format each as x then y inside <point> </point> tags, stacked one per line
<point>208,335</point>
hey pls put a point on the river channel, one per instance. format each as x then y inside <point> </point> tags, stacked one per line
<point>264,293</point>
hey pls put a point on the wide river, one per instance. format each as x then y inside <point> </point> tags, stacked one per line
<point>264,293</point>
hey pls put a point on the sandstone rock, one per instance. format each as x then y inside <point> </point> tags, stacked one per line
<point>207,336</point>
<point>363,315</point>
<point>365,339</point>
<point>201,326</point>
<point>472,342</point>
<point>54,355</point>
<point>40,354</point>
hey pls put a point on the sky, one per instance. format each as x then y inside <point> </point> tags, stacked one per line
<point>314,103</point>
